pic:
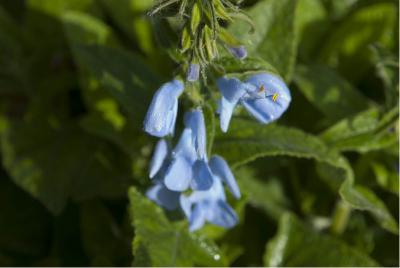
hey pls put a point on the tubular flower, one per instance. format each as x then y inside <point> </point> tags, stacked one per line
<point>163,196</point>
<point>161,115</point>
<point>189,165</point>
<point>220,168</point>
<point>210,205</point>
<point>159,157</point>
<point>264,96</point>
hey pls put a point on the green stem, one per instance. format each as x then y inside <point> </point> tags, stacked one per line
<point>340,217</point>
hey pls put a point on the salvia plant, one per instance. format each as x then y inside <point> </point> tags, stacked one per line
<point>212,133</point>
<point>183,174</point>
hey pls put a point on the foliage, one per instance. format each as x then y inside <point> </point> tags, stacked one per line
<point>319,187</point>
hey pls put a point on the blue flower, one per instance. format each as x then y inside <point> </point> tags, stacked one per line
<point>220,168</point>
<point>265,96</point>
<point>189,165</point>
<point>210,206</point>
<point>161,115</point>
<point>163,196</point>
<point>193,72</point>
<point>159,157</point>
<point>239,52</point>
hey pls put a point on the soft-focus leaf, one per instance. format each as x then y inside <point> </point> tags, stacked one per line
<point>312,21</point>
<point>329,92</point>
<point>247,141</point>
<point>122,74</point>
<point>24,223</point>
<point>386,178</point>
<point>299,245</point>
<point>56,163</point>
<point>347,44</point>
<point>13,80</point>
<point>256,191</point>
<point>366,131</point>
<point>387,69</point>
<point>362,198</point>
<point>275,44</point>
<point>58,7</point>
<point>130,17</point>
<point>101,125</point>
<point>82,28</point>
<point>103,239</point>
<point>159,242</point>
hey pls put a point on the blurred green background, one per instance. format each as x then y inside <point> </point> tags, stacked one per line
<point>320,187</point>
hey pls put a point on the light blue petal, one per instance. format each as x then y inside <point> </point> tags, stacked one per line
<point>171,118</point>
<point>220,168</point>
<point>232,89</point>
<point>193,72</point>
<point>222,214</point>
<point>159,155</point>
<point>265,110</point>
<point>272,84</point>
<point>161,115</point>
<point>225,111</point>
<point>163,197</point>
<point>178,175</point>
<point>202,176</point>
<point>186,205</point>
<point>197,218</point>
<point>185,147</point>
<point>216,191</point>
<point>195,121</point>
<point>259,108</point>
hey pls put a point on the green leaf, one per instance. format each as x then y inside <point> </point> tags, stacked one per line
<point>58,7</point>
<point>275,35</point>
<point>102,237</point>
<point>386,178</point>
<point>24,223</point>
<point>362,198</point>
<point>13,73</point>
<point>329,92</point>
<point>122,74</point>
<point>347,44</point>
<point>298,245</point>
<point>82,28</point>
<point>387,67</point>
<point>256,190</point>
<point>159,242</point>
<point>100,124</point>
<point>369,130</point>
<point>242,69</point>
<point>61,161</point>
<point>129,16</point>
<point>247,141</point>
<point>313,23</point>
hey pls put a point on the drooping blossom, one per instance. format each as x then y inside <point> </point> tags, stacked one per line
<point>264,96</point>
<point>208,206</point>
<point>161,115</point>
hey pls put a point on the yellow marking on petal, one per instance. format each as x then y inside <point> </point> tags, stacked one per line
<point>275,97</point>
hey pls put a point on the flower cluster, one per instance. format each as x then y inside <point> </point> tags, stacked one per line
<point>183,175</point>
